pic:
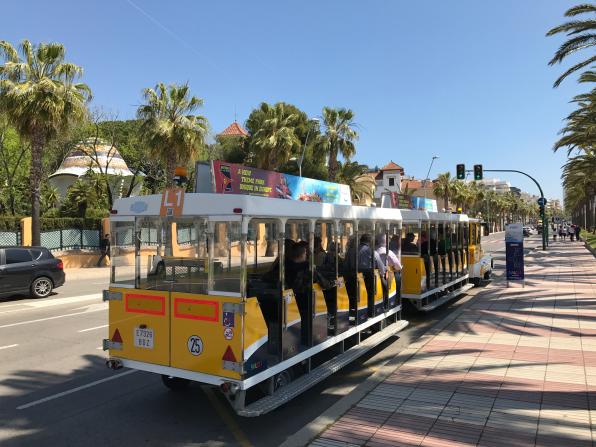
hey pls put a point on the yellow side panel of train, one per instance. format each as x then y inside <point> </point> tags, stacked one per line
<point>255,328</point>
<point>362,295</point>
<point>343,301</point>
<point>412,275</point>
<point>140,321</point>
<point>202,336</point>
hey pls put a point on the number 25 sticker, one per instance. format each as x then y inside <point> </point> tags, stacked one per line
<point>195,345</point>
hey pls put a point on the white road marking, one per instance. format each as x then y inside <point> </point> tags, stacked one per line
<point>74,390</point>
<point>20,323</point>
<point>8,346</point>
<point>93,328</point>
<point>48,302</point>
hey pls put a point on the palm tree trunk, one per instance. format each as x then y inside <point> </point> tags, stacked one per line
<point>37,144</point>
<point>333,167</point>
<point>170,168</point>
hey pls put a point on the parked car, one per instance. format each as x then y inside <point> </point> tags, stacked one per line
<point>527,231</point>
<point>29,269</point>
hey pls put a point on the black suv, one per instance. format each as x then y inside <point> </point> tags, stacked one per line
<point>29,269</point>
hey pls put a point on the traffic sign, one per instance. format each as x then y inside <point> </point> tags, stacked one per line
<point>542,201</point>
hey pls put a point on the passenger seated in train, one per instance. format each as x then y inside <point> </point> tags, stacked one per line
<point>319,253</point>
<point>298,278</point>
<point>349,271</point>
<point>408,246</point>
<point>365,265</point>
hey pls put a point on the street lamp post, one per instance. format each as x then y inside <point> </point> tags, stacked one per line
<point>428,173</point>
<point>301,159</point>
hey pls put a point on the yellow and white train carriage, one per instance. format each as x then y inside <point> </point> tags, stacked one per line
<point>238,291</point>
<point>441,254</point>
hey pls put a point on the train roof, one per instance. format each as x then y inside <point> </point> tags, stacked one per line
<point>218,205</point>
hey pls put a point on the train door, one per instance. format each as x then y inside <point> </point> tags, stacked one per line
<point>432,249</point>
<point>394,268</point>
<point>381,268</point>
<point>263,283</point>
<point>366,268</point>
<point>465,241</point>
<point>414,273</point>
<point>347,281</point>
<point>325,280</point>
<point>442,251</point>
<point>449,241</point>
<point>298,292</point>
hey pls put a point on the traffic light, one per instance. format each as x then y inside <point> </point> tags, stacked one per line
<point>461,172</point>
<point>477,172</point>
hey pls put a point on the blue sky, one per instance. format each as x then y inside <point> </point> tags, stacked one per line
<point>465,80</point>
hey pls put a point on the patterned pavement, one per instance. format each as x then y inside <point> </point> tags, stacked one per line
<point>516,368</point>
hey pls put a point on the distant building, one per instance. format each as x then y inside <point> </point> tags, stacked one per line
<point>495,184</point>
<point>98,156</point>
<point>387,179</point>
<point>233,130</point>
<point>515,191</point>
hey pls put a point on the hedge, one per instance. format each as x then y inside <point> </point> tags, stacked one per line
<point>13,223</point>
<point>59,223</point>
<point>10,223</point>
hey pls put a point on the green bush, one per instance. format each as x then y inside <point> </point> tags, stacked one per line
<point>10,223</point>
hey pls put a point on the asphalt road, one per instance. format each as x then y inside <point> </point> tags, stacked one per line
<point>56,390</point>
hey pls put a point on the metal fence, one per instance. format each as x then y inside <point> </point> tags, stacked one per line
<point>10,238</point>
<point>70,239</point>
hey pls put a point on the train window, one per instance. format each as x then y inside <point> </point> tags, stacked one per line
<point>150,252</point>
<point>262,249</point>
<point>472,234</point>
<point>433,239</point>
<point>424,235</point>
<point>442,236</point>
<point>225,258</point>
<point>410,241</point>
<point>394,239</point>
<point>366,232</point>
<point>325,247</point>
<point>346,245</point>
<point>465,234</point>
<point>123,253</point>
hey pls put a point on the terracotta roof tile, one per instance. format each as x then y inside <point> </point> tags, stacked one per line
<point>234,130</point>
<point>391,166</point>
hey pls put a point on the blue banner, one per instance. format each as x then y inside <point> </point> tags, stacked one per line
<point>421,203</point>
<point>514,257</point>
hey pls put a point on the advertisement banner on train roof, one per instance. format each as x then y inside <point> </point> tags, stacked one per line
<point>401,201</point>
<point>421,203</point>
<point>231,178</point>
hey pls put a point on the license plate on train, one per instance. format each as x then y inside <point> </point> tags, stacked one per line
<point>143,338</point>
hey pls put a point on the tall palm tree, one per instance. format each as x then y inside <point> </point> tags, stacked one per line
<point>173,133</point>
<point>41,97</point>
<point>579,185</point>
<point>339,137</point>
<point>274,139</point>
<point>582,36</point>
<point>579,132</point>
<point>443,187</point>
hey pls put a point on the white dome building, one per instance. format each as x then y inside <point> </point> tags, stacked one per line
<point>100,157</point>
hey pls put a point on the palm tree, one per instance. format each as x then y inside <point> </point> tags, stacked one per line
<point>579,132</point>
<point>362,185</point>
<point>169,126</point>
<point>581,33</point>
<point>339,137</point>
<point>579,185</point>
<point>274,139</point>
<point>443,187</point>
<point>41,97</point>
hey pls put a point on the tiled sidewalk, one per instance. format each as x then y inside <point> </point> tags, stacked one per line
<point>516,368</point>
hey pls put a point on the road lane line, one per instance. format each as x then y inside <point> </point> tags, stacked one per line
<point>20,323</point>
<point>224,412</point>
<point>93,328</point>
<point>74,390</point>
<point>48,302</point>
<point>8,346</point>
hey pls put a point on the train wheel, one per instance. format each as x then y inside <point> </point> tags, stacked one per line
<point>175,383</point>
<point>283,379</point>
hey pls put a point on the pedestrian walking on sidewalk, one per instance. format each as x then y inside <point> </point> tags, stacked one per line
<point>578,230</point>
<point>561,232</point>
<point>571,231</point>
<point>104,247</point>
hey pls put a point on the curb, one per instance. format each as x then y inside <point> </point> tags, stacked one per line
<point>314,428</point>
<point>590,249</point>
